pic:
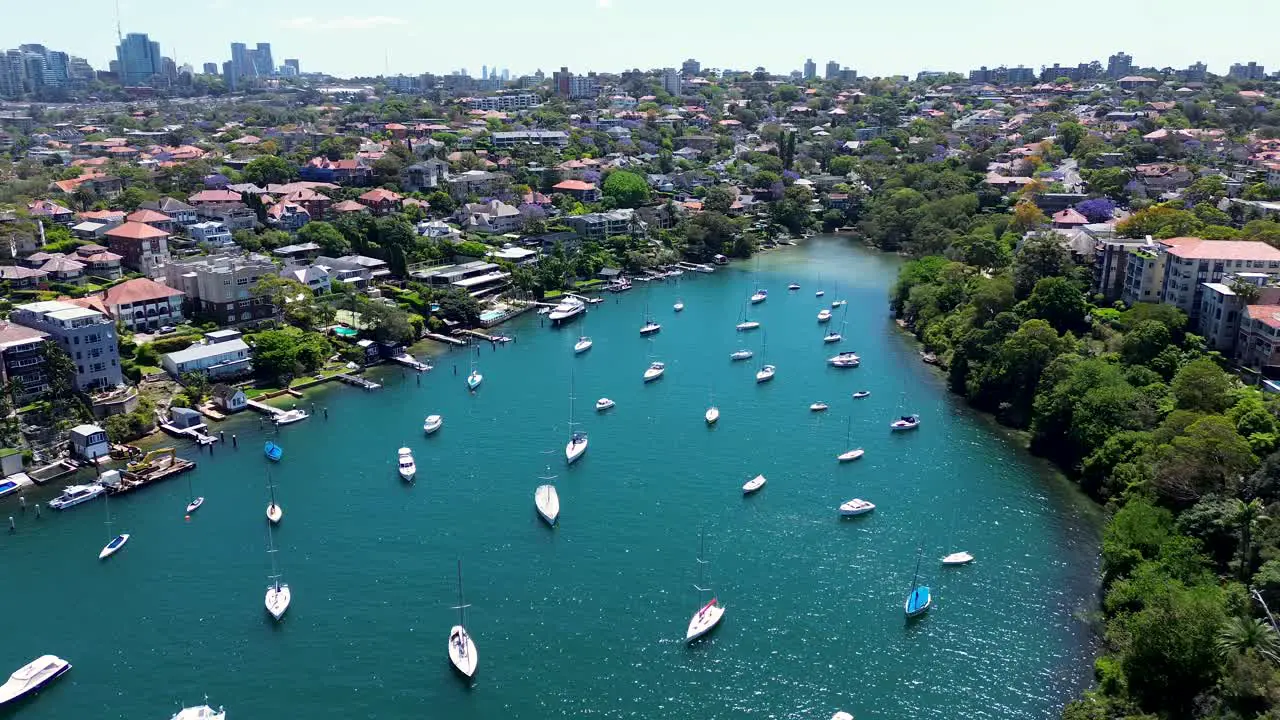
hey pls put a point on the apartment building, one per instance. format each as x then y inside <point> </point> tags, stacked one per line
<point>22,360</point>
<point>144,305</point>
<point>142,247</point>
<point>1192,262</point>
<point>598,226</point>
<point>87,336</point>
<point>518,101</point>
<point>1258,344</point>
<point>220,287</point>
<point>1222,308</point>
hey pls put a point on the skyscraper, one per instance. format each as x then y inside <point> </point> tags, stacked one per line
<point>263,65</point>
<point>139,59</point>
<point>690,67</point>
<point>211,68</point>
<point>293,63</point>
<point>833,70</point>
<point>240,61</point>
<point>1119,65</point>
<point>810,69</point>
<point>11,74</point>
<point>484,72</point>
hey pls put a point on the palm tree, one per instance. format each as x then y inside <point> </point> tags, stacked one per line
<point>1247,515</point>
<point>1240,634</point>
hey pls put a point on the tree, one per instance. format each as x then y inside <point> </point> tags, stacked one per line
<point>269,169</point>
<point>1206,458</point>
<point>718,199</point>
<point>1247,516</point>
<point>386,323</point>
<point>324,234</point>
<point>1058,301</point>
<point>1026,217</point>
<point>1201,385</point>
<point>195,387</point>
<point>460,306</point>
<point>1240,634</point>
<point>441,202</point>
<point>1097,209</point>
<point>1069,135</point>
<point>1144,342</point>
<point>627,189</point>
<point>1041,256</point>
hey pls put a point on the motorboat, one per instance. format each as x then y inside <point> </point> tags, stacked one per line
<point>114,546</point>
<point>765,373</point>
<point>568,309</point>
<point>462,649</point>
<point>679,306</point>
<point>547,501</point>
<point>273,451</point>
<point>861,394</point>
<point>194,505</point>
<point>289,417</point>
<point>753,485</point>
<point>584,344</point>
<point>8,486</point>
<point>832,337</point>
<point>274,512</point>
<point>544,311</point>
<point>839,303</point>
<point>576,446</point>
<point>906,422</point>
<point>918,601</point>
<point>818,407</point>
<point>819,293</point>
<point>747,325</point>
<point>842,715</point>
<point>405,465</point>
<point>604,404</point>
<point>277,598</point>
<point>793,286</point>
<point>650,328</point>
<point>712,415</point>
<point>850,455</point>
<point>655,371</point>
<point>856,506</point>
<point>75,494</point>
<point>432,423</point>
<point>824,315</point>
<point>202,712</point>
<point>741,355</point>
<point>759,296</point>
<point>846,360</point>
<point>31,677</point>
<point>957,558</point>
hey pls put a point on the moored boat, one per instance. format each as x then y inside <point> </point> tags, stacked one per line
<point>654,371</point>
<point>753,485</point>
<point>824,315</point>
<point>845,360</point>
<point>405,464</point>
<point>906,422</point>
<point>850,455</point>
<point>31,677</point>
<point>194,505</point>
<point>818,407</point>
<point>766,373</point>
<point>603,404</point>
<point>273,451</point>
<point>759,296</point>
<point>712,415</point>
<point>743,354</point>
<point>432,423</point>
<point>861,394</point>
<point>584,344</point>
<point>855,507</point>
<point>650,327</point>
<point>462,649</point>
<point>708,616</point>
<point>288,417</point>
<point>201,712</point>
<point>747,325</point>
<point>547,501</point>
<point>957,558</point>
<point>113,546</point>
<point>73,495</point>
<point>793,286</point>
<point>566,310</point>
<point>919,599</point>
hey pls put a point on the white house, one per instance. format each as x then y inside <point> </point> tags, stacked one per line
<point>215,357</point>
<point>230,399</point>
<point>494,217</point>
<point>89,442</point>
<point>313,276</point>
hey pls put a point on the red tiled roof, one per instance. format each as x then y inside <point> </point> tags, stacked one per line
<point>214,196</point>
<point>1191,248</point>
<point>47,208</point>
<point>1266,314</point>
<point>138,290</point>
<point>578,185</point>
<point>349,206</point>
<point>148,216</point>
<point>136,231</point>
<point>380,195</point>
<point>1070,217</point>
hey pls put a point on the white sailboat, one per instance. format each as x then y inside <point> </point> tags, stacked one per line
<point>753,485</point>
<point>462,649</point>
<point>650,326</point>
<point>201,712</point>
<point>116,542</point>
<point>743,354</point>
<point>708,616</point>
<point>712,415</point>
<point>195,502</point>
<point>835,336</point>
<point>546,499</point>
<point>584,344</point>
<point>766,372</point>
<point>474,378</point>
<point>274,512</point>
<point>405,464</point>
<point>278,594</point>
<point>853,453</point>
<point>837,302</point>
<point>577,439</point>
<point>747,325</point>
<point>818,407</point>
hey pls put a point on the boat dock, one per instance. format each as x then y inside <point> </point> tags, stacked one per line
<point>358,381</point>
<point>408,361</point>
<point>696,267</point>
<point>264,408</point>
<point>479,335</point>
<point>195,432</point>
<point>131,480</point>
<point>52,471</point>
<point>446,339</point>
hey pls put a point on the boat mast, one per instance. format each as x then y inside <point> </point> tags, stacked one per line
<point>271,553</point>
<point>915,579</point>
<point>702,546</point>
<point>462,606</point>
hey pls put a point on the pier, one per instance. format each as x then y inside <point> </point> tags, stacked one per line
<point>410,362</point>
<point>52,471</point>
<point>446,339</point>
<point>157,465</point>
<point>264,408</point>
<point>358,381</point>
<point>195,432</point>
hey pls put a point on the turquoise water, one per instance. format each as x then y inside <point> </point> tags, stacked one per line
<point>589,618</point>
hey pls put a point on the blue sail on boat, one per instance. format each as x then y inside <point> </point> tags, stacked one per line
<point>272,451</point>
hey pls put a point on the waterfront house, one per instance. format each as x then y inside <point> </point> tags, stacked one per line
<point>218,355</point>
<point>229,399</point>
<point>89,442</point>
<point>144,305</point>
<point>492,218</point>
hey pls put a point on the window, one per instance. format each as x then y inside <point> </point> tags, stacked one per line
<point>242,281</point>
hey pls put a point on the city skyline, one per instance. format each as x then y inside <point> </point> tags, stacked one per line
<point>399,40</point>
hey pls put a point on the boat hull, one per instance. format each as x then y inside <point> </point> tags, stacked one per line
<point>274,513</point>
<point>703,622</point>
<point>650,329</point>
<point>431,427</point>
<point>13,691</point>
<point>574,450</point>
<point>277,600</point>
<point>850,456</point>
<point>474,380</point>
<point>917,603</point>
<point>194,505</point>
<point>651,375</point>
<point>854,508</point>
<point>712,416</point>
<point>462,653</point>
<point>114,546</point>
<point>407,474</point>
<point>581,347</point>
<point>960,558</point>
<point>547,501</point>
<point>737,357</point>
<point>754,485</point>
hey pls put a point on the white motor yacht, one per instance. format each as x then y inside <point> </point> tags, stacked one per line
<point>547,501</point>
<point>73,495</point>
<point>747,325</point>
<point>850,455</point>
<point>957,558</point>
<point>650,328</point>
<point>906,422</point>
<point>655,371</point>
<point>576,446</point>
<point>604,404</point>
<point>741,355</point>
<point>277,599</point>
<point>405,464</point>
<point>31,677</point>
<point>288,417</point>
<point>568,309</point>
<point>202,712</point>
<point>845,360</point>
<point>766,373</point>
<point>712,415</point>
<point>824,315</point>
<point>861,394</point>
<point>753,485</point>
<point>819,293</point>
<point>432,423</point>
<point>818,407</point>
<point>759,296</point>
<point>856,506</point>
<point>584,344</point>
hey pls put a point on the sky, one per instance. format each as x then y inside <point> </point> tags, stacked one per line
<point>874,38</point>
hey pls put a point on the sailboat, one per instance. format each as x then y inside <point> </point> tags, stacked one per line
<point>462,649</point>
<point>649,327</point>
<point>919,599</point>
<point>712,415</point>
<point>546,499</point>
<point>117,541</point>
<point>474,378</point>
<point>679,306</point>
<point>766,372</point>
<point>195,502</point>
<point>834,336</point>
<point>278,594</point>
<point>819,292</point>
<point>577,438</point>
<point>837,303</point>
<point>854,453</point>
<point>584,344</point>
<point>274,511</point>
<point>760,294</point>
<point>708,616</point>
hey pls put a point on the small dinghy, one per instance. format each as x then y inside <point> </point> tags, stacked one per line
<point>273,451</point>
<point>753,485</point>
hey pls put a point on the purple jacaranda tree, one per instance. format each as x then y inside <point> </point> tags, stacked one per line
<point>1096,209</point>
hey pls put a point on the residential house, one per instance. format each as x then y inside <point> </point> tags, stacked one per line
<point>51,211</point>
<point>89,442</point>
<point>1136,82</point>
<point>424,176</point>
<point>297,252</point>
<point>87,336</point>
<point>20,277</point>
<point>476,182</point>
<point>218,355</point>
<point>599,226</point>
<point>492,218</point>
<point>342,172</point>
<point>478,278</point>
<point>22,359</point>
<point>356,270</point>
<point>381,202</point>
<point>212,199</point>
<point>315,203</point>
<point>1068,219</point>
<point>221,287</point>
<point>288,216</point>
<point>229,399</point>
<point>316,278</point>
<point>154,218</point>
<point>182,213</point>
<point>1157,178</point>
<point>65,270</point>
<point>144,305</point>
<point>233,216</point>
<point>211,233</point>
<point>142,247</point>
<point>347,206</point>
<point>579,190</point>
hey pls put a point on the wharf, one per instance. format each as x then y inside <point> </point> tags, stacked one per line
<point>446,339</point>
<point>52,471</point>
<point>195,432</point>
<point>410,362</point>
<point>264,408</point>
<point>130,481</point>
<point>358,382</point>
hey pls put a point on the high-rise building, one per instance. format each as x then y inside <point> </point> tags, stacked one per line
<point>690,67</point>
<point>229,76</point>
<point>484,72</point>
<point>1251,71</point>
<point>139,60</point>
<point>79,68</point>
<point>1119,65</point>
<point>833,70</point>
<point>211,68</point>
<point>563,81</point>
<point>506,75</point>
<point>810,69</point>
<point>671,82</point>
<point>240,61</point>
<point>263,65</point>
<point>293,63</point>
<point>1195,72</point>
<point>12,72</point>
<point>168,69</point>
<point>1021,75</point>
<point>848,76</point>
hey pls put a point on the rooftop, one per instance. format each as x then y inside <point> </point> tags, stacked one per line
<point>1191,248</point>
